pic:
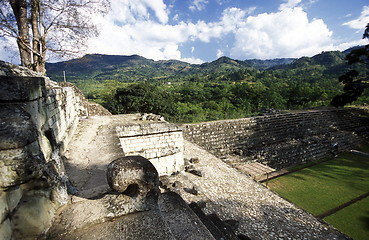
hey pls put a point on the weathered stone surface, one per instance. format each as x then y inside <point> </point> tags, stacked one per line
<point>261,214</point>
<point>16,127</point>
<point>13,196</point>
<point>146,128</point>
<point>182,221</point>
<point>21,164</point>
<point>33,215</point>
<point>46,147</point>
<point>95,109</point>
<point>84,213</point>
<point>133,175</point>
<point>13,168</point>
<point>136,177</point>
<point>137,226</point>
<point>4,208</point>
<point>37,118</point>
<point>8,69</point>
<point>16,88</point>
<point>5,230</point>
<point>95,219</point>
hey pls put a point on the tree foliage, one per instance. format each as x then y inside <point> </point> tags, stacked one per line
<point>206,101</point>
<point>59,26</point>
<point>356,80</point>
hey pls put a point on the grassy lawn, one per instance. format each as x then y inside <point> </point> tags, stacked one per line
<point>355,215</point>
<point>327,185</point>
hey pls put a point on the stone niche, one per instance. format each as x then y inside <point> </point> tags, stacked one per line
<point>160,143</point>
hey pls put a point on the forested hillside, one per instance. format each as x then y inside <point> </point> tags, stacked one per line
<point>224,88</point>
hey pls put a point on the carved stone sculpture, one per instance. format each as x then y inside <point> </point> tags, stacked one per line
<point>137,178</point>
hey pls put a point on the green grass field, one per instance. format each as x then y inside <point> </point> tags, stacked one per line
<point>356,214</point>
<point>328,185</point>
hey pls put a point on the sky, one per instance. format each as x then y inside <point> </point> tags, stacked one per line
<point>198,31</point>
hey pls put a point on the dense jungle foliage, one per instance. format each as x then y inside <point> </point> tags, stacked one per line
<point>222,89</point>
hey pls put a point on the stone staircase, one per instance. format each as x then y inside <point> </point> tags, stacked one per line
<point>282,140</point>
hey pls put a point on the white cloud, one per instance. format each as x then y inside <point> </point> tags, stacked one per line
<point>346,45</point>
<point>287,33</point>
<point>176,17</point>
<point>198,5</point>
<point>221,2</point>
<point>155,40</point>
<point>135,39</point>
<point>193,60</point>
<point>141,27</point>
<point>219,53</point>
<point>131,11</point>
<point>159,8</point>
<point>361,21</point>
<point>289,4</point>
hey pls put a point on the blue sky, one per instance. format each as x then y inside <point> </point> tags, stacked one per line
<point>204,30</point>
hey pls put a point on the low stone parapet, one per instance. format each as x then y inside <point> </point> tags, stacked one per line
<point>161,143</point>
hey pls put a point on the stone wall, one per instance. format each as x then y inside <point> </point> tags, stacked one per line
<point>37,119</point>
<point>161,143</point>
<point>282,140</point>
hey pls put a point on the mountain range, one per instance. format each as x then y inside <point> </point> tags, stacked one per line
<point>99,67</point>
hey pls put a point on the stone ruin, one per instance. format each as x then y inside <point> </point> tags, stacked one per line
<point>131,179</point>
<point>283,139</point>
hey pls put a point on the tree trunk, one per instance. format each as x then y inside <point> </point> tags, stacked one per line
<point>37,43</point>
<point>24,43</point>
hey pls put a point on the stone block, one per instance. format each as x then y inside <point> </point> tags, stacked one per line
<point>13,197</point>
<point>19,165</point>
<point>15,88</point>
<point>4,208</point>
<point>10,166</point>
<point>16,127</point>
<point>5,230</point>
<point>33,216</point>
<point>46,148</point>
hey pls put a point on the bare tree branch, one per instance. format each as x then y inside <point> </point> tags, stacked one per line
<point>60,27</point>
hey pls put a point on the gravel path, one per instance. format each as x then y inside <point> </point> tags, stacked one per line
<point>261,213</point>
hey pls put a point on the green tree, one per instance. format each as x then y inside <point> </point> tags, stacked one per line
<point>354,81</point>
<point>145,98</point>
<point>188,113</point>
